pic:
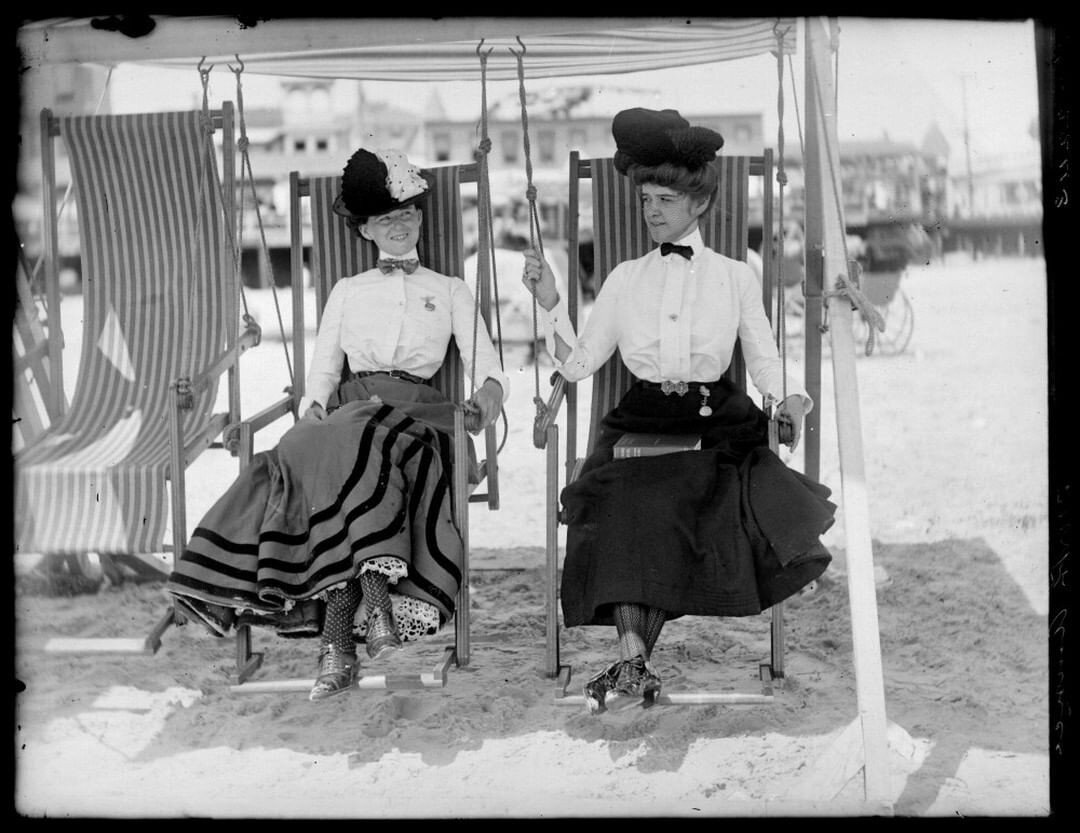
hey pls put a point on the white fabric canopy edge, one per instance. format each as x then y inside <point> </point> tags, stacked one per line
<point>407,49</point>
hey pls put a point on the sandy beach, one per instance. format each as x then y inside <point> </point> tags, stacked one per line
<point>954,431</point>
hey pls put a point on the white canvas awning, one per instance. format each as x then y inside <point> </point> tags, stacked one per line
<point>410,49</point>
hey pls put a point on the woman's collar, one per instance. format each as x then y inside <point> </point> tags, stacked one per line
<point>407,256</point>
<point>693,239</point>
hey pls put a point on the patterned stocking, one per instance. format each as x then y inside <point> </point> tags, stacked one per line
<point>341,605</point>
<point>630,625</point>
<point>654,622</point>
<point>376,590</point>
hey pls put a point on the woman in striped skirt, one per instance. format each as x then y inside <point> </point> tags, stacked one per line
<point>345,529</point>
<point>727,530</point>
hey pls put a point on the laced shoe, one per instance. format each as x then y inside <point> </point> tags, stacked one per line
<point>637,683</point>
<point>382,634</point>
<point>598,687</point>
<point>337,672</point>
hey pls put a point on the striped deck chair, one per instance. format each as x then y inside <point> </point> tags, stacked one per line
<point>159,326</point>
<point>337,252</point>
<point>620,233</point>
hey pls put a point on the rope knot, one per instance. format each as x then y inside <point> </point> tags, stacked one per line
<point>206,123</point>
<point>242,143</point>
<point>781,177</point>
<point>530,193</point>
<point>848,285</point>
<point>185,398</point>
<point>230,438</point>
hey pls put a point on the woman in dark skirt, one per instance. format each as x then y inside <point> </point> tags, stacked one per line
<point>345,530</point>
<point>727,530</point>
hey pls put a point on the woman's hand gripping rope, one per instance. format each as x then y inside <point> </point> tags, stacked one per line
<point>540,280</point>
<point>789,420</point>
<point>483,407</point>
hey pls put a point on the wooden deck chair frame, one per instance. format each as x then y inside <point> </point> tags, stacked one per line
<point>336,252</point>
<point>726,230</point>
<point>37,401</point>
<point>151,205</point>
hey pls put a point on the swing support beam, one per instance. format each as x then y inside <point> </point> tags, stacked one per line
<point>825,235</point>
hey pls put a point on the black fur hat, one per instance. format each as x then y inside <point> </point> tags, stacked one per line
<point>378,182</point>
<point>651,137</point>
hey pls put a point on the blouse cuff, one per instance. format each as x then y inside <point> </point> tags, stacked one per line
<point>557,322</point>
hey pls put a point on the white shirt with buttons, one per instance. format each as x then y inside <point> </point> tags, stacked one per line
<point>676,319</point>
<point>398,322</point>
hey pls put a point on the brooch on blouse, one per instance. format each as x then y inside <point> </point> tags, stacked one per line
<point>427,302</point>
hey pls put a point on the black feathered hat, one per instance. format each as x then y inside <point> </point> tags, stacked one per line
<point>377,182</point>
<point>651,137</point>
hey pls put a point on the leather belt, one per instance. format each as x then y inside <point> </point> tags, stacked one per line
<point>397,374</point>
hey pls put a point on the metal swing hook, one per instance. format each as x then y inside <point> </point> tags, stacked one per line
<point>239,61</point>
<point>490,49</point>
<point>522,45</point>
<point>204,73</point>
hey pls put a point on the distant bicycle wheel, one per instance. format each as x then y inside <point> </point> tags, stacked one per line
<point>899,316</point>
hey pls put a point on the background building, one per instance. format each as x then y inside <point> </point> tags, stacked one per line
<point>317,123</point>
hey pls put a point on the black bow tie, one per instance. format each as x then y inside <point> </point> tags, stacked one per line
<point>389,264</point>
<point>668,248</point>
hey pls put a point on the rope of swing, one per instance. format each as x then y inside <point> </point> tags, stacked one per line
<point>184,391</point>
<point>535,238</point>
<point>247,174</point>
<point>846,284</point>
<point>847,287</point>
<point>483,197</point>
<point>781,179</point>
<point>485,230</point>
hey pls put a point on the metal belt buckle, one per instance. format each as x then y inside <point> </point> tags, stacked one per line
<point>668,388</point>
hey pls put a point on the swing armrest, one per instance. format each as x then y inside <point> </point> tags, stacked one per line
<point>228,357</point>
<point>286,406</point>
<point>548,413</point>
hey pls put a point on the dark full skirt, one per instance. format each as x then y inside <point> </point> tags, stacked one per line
<point>372,479</point>
<point>729,530</point>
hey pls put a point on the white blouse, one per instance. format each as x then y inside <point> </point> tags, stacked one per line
<point>677,320</point>
<point>398,322</point>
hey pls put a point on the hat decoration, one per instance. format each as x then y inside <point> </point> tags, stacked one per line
<point>403,179</point>
<point>377,182</point>
<point>652,137</point>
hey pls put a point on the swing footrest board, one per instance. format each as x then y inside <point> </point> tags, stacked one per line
<point>681,698</point>
<point>119,645</point>
<point>381,682</point>
<point>146,645</point>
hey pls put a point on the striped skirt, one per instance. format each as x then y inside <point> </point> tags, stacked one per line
<point>368,485</point>
<point>725,531</point>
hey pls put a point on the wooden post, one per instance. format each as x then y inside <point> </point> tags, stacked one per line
<point>824,202</point>
<point>50,230</point>
<point>296,279</point>
<point>461,508</point>
<point>230,266</point>
<point>552,550</point>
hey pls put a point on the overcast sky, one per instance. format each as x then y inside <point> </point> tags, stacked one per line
<point>896,77</point>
